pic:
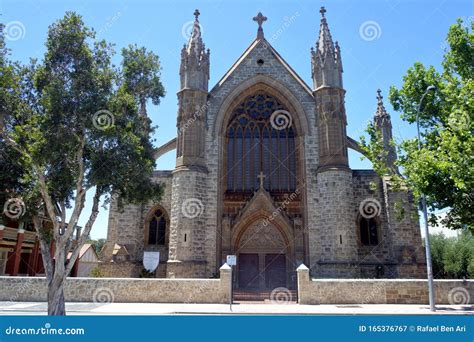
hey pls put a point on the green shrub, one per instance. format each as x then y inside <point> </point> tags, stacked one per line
<point>96,273</point>
<point>453,257</point>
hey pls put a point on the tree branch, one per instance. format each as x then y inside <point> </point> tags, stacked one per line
<point>48,201</point>
<point>80,192</point>
<point>63,213</point>
<point>45,248</point>
<point>87,229</point>
<point>12,143</point>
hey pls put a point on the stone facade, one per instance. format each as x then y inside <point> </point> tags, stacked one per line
<point>127,230</point>
<point>317,223</point>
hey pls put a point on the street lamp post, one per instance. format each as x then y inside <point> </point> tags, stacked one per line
<point>429,266</point>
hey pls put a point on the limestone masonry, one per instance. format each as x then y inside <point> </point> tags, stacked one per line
<point>262,173</point>
<point>190,291</point>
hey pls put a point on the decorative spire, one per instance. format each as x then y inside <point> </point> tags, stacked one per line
<point>326,58</point>
<point>337,57</point>
<point>260,19</point>
<point>194,69</point>
<point>195,40</point>
<point>324,43</point>
<point>383,124</point>
<point>381,112</point>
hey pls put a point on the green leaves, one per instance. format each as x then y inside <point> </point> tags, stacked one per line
<point>70,124</point>
<point>75,119</point>
<point>407,99</point>
<point>459,59</point>
<point>443,169</point>
<point>141,76</point>
<point>453,258</point>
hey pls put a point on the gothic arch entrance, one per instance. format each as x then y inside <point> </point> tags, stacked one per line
<point>264,257</point>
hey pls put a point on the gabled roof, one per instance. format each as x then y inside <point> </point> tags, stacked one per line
<point>261,200</point>
<point>252,46</point>
<point>120,250</point>
<point>83,251</point>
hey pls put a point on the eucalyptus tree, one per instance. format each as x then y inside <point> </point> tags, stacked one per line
<point>69,129</point>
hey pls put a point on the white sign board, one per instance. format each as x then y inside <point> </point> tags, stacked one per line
<point>151,260</point>
<point>231,260</point>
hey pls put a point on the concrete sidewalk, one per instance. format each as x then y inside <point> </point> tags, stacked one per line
<point>28,308</point>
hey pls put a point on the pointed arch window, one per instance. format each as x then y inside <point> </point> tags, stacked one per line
<point>157,228</point>
<point>255,144</point>
<point>368,231</point>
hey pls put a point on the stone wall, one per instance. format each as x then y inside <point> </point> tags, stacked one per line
<point>125,269</point>
<point>368,188</point>
<point>126,227</point>
<point>122,290</point>
<point>310,291</point>
<point>399,252</point>
<point>404,226</point>
<point>380,291</point>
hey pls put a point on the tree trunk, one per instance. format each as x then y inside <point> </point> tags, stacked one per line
<point>56,304</point>
<point>58,268</point>
<point>143,107</point>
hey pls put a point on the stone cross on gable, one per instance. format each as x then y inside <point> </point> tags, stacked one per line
<point>196,14</point>
<point>261,177</point>
<point>260,19</point>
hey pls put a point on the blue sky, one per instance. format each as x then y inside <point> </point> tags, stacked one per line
<point>379,40</point>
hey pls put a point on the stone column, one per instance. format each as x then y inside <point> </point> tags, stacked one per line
<point>17,252</point>
<point>332,240</point>
<point>225,237</point>
<point>299,241</point>
<point>226,281</point>
<point>302,273</point>
<point>189,253</point>
<point>333,246</point>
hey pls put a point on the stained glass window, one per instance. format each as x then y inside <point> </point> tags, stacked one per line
<point>255,144</point>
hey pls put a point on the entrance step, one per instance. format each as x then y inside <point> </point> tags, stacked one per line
<point>276,297</point>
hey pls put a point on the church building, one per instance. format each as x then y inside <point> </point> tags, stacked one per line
<point>262,173</point>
